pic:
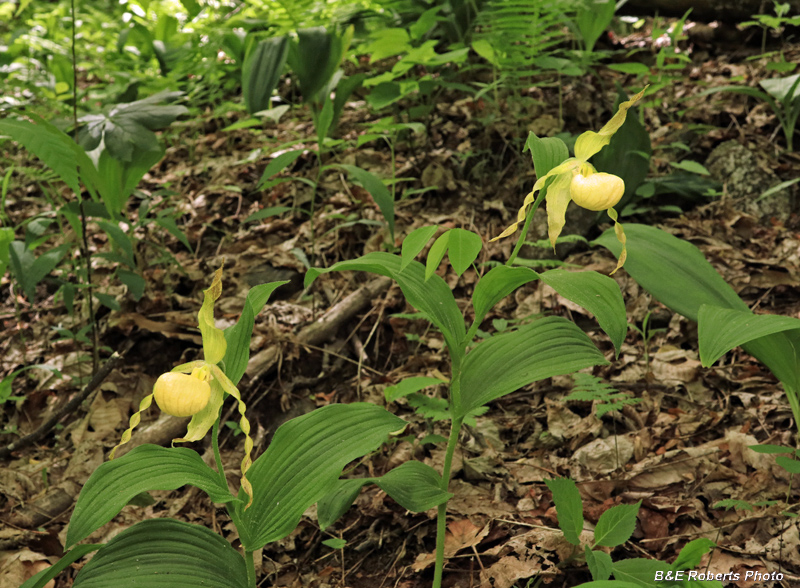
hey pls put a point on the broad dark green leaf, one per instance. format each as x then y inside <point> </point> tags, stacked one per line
<point>415,242</point>
<point>278,164</point>
<point>29,270</point>
<point>261,71</point>
<point>409,386</point>
<point>129,127</point>
<point>432,297</point>
<point>314,57</point>
<point>41,579</point>
<point>628,154</point>
<point>720,329</point>
<point>116,179</point>
<point>304,461</point>
<point>498,283</point>
<point>569,508</point>
<point>379,192</point>
<point>462,249</point>
<point>673,270</point>
<point>164,553</point>
<point>436,254</point>
<point>677,275</point>
<point>504,363</point>
<point>413,485</point>
<point>54,151</point>
<point>546,152</point>
<point>616,525</point>
<point>598,294</point>
<point>144,468</point>
<point>238,336</point>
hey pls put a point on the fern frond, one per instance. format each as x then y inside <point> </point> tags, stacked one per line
<point>588,388</point>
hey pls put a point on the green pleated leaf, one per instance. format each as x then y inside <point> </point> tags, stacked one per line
<point>261,71</point>
<point>569,508</point>
<point>463,249</point>
<point>415,242</point>
<point>432,297</point>
<point>303,463</point>
<point>413,485</point>
<point>498,366</point>
<point>41,579</point>
<point>55,148</point>
<point>598,294</point>
<point>546,152</point>
<point>673,270</point>
<point>315,55</point>
<point>498,283</point>
<point>238,336</point>
<point>163,553</point>
<point>145,468</point>
<point>719,329</point>
<point>616,525</point>
<point>677,275</point>
<point>409,386</point>
<point>379,192</point>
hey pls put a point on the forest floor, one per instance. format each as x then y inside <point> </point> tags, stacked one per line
<point>680,450</point>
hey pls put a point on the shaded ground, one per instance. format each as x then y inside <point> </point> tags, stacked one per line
<point>680,450</point>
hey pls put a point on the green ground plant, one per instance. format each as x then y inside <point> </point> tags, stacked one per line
<point>500,364</point>
<point>614,527</point>
<point>301,465</point>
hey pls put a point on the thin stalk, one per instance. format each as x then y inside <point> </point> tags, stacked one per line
<point>441,513</point>
<point>217,456</point>
<point>524,233</point>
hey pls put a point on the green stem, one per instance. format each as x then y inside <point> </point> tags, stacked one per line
<point>217,456</point>
<point>524,233</point>
<point>251,568</point>
<point>441,513</point>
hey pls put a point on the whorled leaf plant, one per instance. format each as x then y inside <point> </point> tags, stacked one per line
<point>301,466</point>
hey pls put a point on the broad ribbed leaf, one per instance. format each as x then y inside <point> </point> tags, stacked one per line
<point>380,193</point>
<point>677,275</point>
<point>719,329</point>
<point>55,148</point>
<point>314,57</point>
<point>546,152</point>
<point>164,553</point>
<point>673,270</point>
<point>238,336</point>
<point>29,270</point>
<point>145,468</point>
<point>304,461</point>
<point>598,294</point>
<point>498,283</point>
<point>261,71</point>
<point>463,248</point>
<point>41,579</point>
<point>415,242</point>
<point>548,347</point>
<point>432,297</point>
<point>413,485</point>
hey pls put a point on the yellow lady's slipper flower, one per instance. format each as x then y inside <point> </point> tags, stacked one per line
<point>182,395</point>
<point>576,179</point>
<point>197,389</point>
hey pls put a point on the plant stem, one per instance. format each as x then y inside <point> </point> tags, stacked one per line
<point>441,514</point>
<point>524,233</point>
<point>249,561</point>
<point>217,456</point>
